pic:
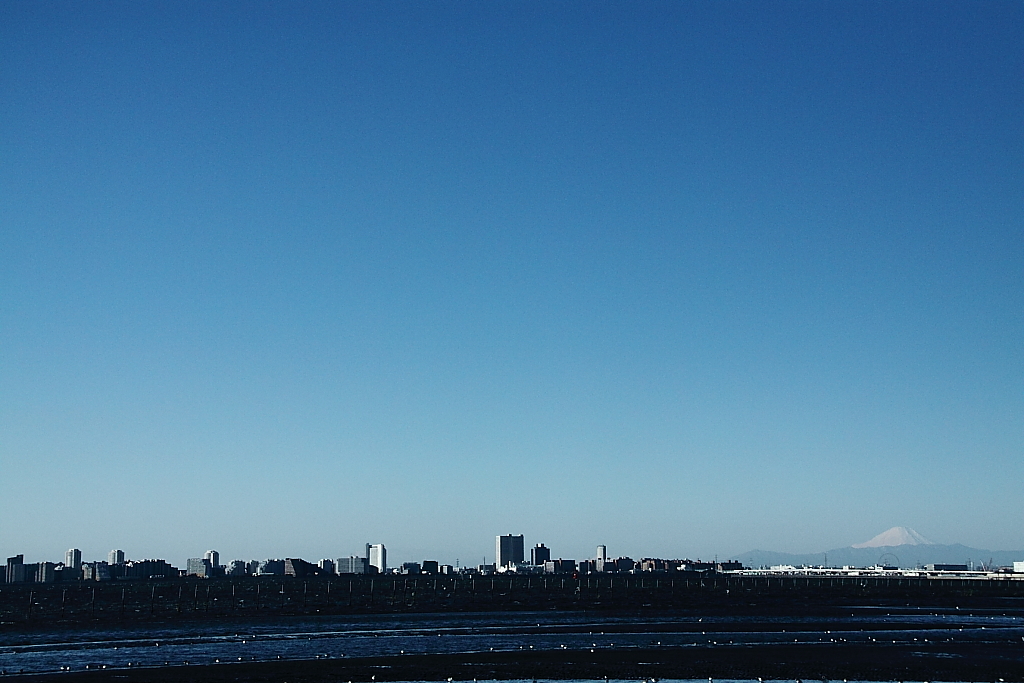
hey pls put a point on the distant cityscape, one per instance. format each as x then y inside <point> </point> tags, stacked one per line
<point>509,554</point>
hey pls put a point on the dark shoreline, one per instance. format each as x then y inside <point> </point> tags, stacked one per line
<point>957,662</point>
<point>83,603</point>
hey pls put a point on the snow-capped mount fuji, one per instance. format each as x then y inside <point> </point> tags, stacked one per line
<point>898,535</point>
<point>899,546</point>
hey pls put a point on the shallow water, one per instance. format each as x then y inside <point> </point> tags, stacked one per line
<point>377,635</point>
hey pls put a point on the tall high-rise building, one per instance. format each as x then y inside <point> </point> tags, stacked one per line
<point>508,550</point>
<point>115,557</point>
<point>377,556</point>
<point>540,555</point>
<point>602,557</point>
<point>213,556</point>
<point>73,558</point>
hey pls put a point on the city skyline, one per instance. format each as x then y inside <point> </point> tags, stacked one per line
<point>710,277</point>
<point>375,555</point>
<point>512,547</point>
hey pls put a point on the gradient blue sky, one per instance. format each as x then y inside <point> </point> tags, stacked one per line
<point>680,278</point>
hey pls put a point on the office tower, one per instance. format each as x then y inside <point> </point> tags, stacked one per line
<point>352,565</point>
<point>115,557</point>
<point>602,557</point>
<point>540,555</point>
<point>377,555</point>
<point>508,550</point>
<point>326,565</point>
<point>214,557</point>
<point>73,558</point>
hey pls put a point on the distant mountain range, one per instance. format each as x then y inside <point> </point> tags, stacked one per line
<point>899,546</point>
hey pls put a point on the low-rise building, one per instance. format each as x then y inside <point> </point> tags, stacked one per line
<point>696,566</point>
<point>620,564</point>
<point>273,567</point>
<point>68,573</point>
<point>148,569</point>
<point>294,566</point>
<point>96,571</point>
<point>653,564</point>
<point>560,566</point>
<point>521,568</point>
<point>236,568</point>
<point>199,566</point>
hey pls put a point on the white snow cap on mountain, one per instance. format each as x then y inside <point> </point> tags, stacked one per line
<point>898,535</point>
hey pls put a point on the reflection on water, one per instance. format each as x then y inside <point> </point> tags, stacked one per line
<point>376,635</point>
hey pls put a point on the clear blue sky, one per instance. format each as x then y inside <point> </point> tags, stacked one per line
<point>684,279</point>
